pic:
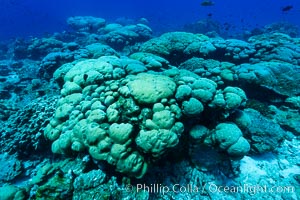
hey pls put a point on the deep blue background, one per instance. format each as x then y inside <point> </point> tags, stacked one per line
<point>19,18</point>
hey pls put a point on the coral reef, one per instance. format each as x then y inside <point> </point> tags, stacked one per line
<point>36,48</point>
<point>23,130</point>
<point>10,167</point>
<point>86,23</point>
<point>106,111</point>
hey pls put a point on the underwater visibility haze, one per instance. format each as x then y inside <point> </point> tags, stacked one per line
<point>196,99</point>
<point>20,18</point>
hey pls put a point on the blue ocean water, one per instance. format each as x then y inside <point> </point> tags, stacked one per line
<point>21,18</point>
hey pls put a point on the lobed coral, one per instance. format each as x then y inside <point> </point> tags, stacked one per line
<point>86,23</point>
<point>130,120</point>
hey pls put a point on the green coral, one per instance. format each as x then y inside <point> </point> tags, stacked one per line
<point>131,120</point>
<point>230,138</point>
<point>156,142</point>
<point>221,143</point>
<point>192,108</point>
<point>148,88</point>
<point>8,192</point>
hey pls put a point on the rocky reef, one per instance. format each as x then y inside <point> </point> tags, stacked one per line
<point>108,111</point>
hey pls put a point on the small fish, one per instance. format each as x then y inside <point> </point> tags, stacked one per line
<point>207,3</point>
<point>287,8</point>
<point>209,14</point>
